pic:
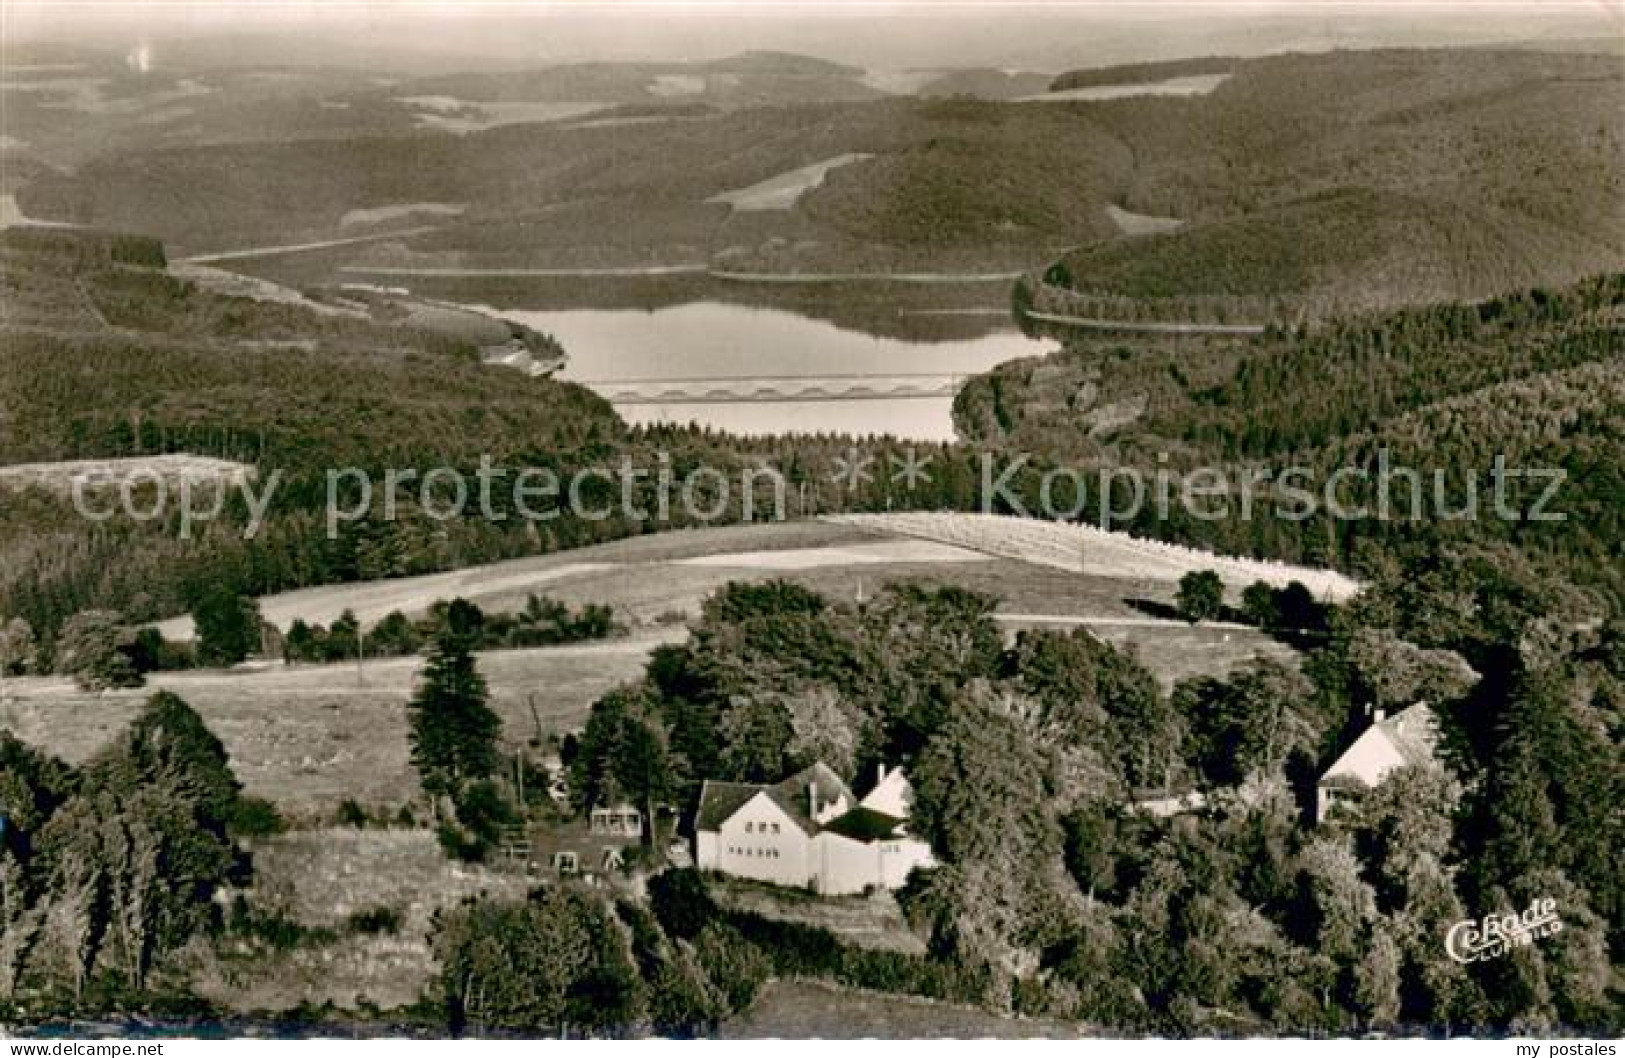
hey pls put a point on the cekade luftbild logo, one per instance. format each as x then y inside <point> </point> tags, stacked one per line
<point>1494,935</point>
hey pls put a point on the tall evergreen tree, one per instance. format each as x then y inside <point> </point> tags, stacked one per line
<point>228,627</point>
<point>453,731</point>
<point>622,755</point>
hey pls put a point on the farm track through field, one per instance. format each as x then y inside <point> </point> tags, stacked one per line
<point>301,247</point>
<point>1072,620</point>
<point>1080,548</point>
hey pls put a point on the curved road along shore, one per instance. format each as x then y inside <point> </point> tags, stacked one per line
<point>694,270</point>
<point>1144,327</point>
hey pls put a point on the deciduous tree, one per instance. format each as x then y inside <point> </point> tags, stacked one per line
<point>1201,596</point>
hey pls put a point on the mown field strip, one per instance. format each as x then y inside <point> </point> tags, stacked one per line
<point>1086,549</point>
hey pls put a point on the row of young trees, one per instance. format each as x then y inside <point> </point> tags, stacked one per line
<point>101,650</point>
<point>541,622</point>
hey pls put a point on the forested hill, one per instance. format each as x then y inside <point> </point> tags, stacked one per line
<point>1356,180</point>
<point>143,363</point>
<point>1142,73</point>
<point>105,354</point>
<point>1336,181</point>
<point>1537,378</point>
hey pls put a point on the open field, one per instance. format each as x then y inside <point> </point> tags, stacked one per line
<point>784,190</point>
<point>309,737</point>
<point>794,1009</point>
<point>704,560</point>
<point>654,582</point>
<point>372,600</point>
<point>399,211</point>
<point>461,116</point>
<point>279,249</point>
<point>1086,549</point>
<point>235,284</point>
<point>137,470</point>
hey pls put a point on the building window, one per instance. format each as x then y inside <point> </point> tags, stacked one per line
<point>775,828</point>
<point>749,827</point>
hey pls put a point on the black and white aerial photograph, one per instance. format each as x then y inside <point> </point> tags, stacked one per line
<point>712,520</point>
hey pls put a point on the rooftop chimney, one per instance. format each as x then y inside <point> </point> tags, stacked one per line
<point>812,799</point>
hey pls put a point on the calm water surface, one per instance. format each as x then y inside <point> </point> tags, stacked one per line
<point>670,364</point>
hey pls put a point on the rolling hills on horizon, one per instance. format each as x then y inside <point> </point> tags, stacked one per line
<point>1357,178</point>
<point>439,450</point>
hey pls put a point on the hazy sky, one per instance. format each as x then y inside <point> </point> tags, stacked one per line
<point>1045,34</point>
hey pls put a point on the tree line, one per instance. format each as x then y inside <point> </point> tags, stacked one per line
<point>107,870</point>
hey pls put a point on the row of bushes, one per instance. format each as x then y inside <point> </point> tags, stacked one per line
<point>542,622</point>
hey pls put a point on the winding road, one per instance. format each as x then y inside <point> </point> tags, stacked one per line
<point>689,269</point>
<point>1145,327</point>
<point>302,247</point>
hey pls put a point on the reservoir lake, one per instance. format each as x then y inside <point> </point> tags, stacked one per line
<point>751,370</point>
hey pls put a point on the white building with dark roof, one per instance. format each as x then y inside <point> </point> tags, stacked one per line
<point>1409,738</point>
<point>808,831</point>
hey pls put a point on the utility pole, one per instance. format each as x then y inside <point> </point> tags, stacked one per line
<point>535,717</point>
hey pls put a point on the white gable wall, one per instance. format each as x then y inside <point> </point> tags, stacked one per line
<point>1372,757</point>
<point>759,841</point>
<point>892,796</point>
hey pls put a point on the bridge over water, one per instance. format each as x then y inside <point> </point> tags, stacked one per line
<point>769,388</point>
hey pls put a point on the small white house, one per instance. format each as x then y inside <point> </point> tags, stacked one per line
<point>1409,738</point>
<point>809,831</point>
